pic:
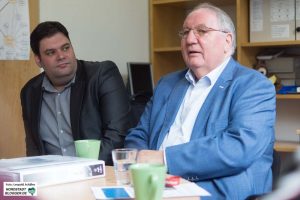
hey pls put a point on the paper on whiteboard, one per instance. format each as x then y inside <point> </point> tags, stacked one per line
<point>14,30</point>
<point>256,21</point>
<point>282,10</point>
<point>280,31</point>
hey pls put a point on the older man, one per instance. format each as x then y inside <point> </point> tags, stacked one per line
<point>212,123</point>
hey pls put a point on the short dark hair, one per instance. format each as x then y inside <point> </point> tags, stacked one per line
<point>43,30</point>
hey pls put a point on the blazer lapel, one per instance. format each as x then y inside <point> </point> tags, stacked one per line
<point>37,94</point>
<point>76,99</point>
<point>216,94</point>
<point>175,100</point>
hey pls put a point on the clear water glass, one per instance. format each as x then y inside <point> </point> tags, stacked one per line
<point>122,159</point>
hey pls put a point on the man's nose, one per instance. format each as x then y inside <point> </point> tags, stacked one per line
<point>192,37</point>
<point>60,54</point>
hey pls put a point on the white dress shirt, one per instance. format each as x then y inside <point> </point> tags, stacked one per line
<point>181,130</point>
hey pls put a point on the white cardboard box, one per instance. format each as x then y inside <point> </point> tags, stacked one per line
<point>50,169</point>
<point>284,65</point>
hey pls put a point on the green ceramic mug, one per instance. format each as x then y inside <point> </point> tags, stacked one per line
<point>87,148</point>
<point>148,180</point>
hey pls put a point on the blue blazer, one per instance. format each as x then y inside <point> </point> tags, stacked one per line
<point>231,146</point>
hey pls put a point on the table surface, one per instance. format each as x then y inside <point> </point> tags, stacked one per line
<point>81,190</point>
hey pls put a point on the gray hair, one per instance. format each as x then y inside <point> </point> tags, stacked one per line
<point>224,21</point>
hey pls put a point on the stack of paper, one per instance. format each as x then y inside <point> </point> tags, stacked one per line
<point>188,189</point>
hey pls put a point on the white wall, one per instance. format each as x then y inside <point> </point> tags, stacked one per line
<point>116,30</point>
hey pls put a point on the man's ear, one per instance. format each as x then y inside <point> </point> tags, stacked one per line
<point>38,61</point>
<point>229,41</point>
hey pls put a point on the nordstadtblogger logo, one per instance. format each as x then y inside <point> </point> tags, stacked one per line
<point>31,191</point>
<point>19,189</point>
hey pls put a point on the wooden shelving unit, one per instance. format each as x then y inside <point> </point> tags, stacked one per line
<point>288,96</point>
<point>166,18</point>
<point>246,55</point>
<point>283,146</point>
<point>247,51</point>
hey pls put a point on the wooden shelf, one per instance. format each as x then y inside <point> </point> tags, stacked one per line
<point>193,2</point>
<point>158,2</point>
<point>283,146</point>
<point>166,19</point>
<point>271,44</point>
<point>288,96</point>
<point>167,49</point>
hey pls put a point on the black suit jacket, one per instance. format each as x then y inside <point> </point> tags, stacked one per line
<point>99,108</point>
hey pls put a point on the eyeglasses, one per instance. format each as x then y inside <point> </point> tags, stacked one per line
<point>199,30</point>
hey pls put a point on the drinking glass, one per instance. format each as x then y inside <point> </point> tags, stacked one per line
<point>122,159</point>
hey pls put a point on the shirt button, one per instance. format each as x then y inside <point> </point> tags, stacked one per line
<point>64,150</point>
<point>61,131</point>
<point>59,112</point>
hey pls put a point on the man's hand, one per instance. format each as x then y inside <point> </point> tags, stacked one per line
<point>150,156</point>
